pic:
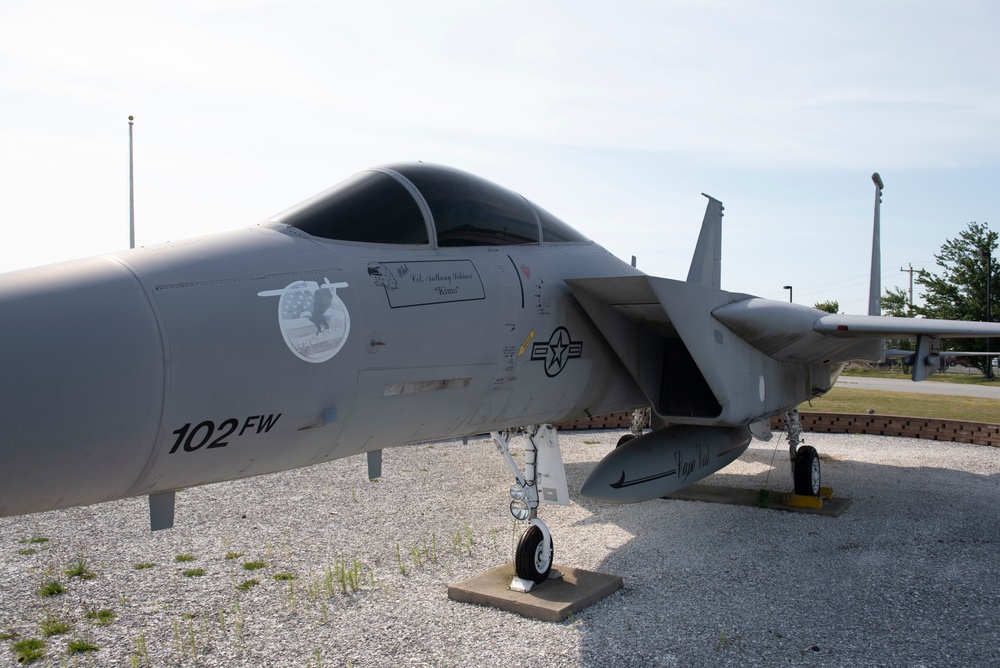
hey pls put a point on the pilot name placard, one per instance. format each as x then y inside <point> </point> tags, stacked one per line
<point>427,282</point>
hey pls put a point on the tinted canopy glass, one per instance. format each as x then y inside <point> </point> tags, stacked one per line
<point>471,211</point>
<point>554,230</point>
<point>368,207</point>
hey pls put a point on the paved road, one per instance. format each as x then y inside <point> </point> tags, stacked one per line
<point>925,387</point>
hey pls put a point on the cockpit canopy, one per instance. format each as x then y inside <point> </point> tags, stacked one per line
<point>424,204</point>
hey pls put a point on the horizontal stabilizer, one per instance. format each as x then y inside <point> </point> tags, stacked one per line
<point>787,332</point>
<point>797,333</point>
<point>891,327</point>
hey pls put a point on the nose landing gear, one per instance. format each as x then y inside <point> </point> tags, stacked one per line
<point>542,481</point>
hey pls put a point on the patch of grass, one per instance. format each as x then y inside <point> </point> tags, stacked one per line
<point>399,560</point>
<point>246,584</point>
<point>973,377</point>
<point>591,442</point>
<point>234,555</point>
<point>52,588</point>
<point>29,649</point>
<point>141,566</point>
<point>53,626</point>
<point>27,551</point>
<point>77,645</point>
<point>180,558</point>
<point>78,569</point>
<point>763,497</point>
<point>34,540</point>
<point>193,572</point>
<point>103,617</point>
<point>906,404</point>
<point>8,634</point>
<point>254,565</point>
<point>284,576</point>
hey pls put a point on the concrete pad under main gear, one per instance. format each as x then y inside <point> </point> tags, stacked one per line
<point>551,601</point>
<point>832,507</point>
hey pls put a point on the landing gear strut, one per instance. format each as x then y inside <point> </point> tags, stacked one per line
<point>543,481</point>
<point>805,459</point>
<point>640,419</point>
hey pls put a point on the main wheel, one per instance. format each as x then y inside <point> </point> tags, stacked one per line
<point>530,562</point>
<point>807,471</point>
<point>624,439</point>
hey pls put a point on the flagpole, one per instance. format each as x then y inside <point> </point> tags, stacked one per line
<point>131,189</point>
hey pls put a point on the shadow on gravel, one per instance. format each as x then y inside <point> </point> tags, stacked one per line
<point>907,576</point>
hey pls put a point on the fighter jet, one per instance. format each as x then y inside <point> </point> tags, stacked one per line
<point>411,302</point>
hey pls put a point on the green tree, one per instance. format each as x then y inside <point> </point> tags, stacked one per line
<point>896,302</point>
<point>958,292</point>
<point>831,306</point>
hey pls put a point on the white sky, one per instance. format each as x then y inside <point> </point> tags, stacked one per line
<point>613,116</point>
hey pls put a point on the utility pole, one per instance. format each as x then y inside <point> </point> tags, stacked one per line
<point>910,272</point>
<point>789,288</point>
<point>131,189</point>
<point>988,256</point>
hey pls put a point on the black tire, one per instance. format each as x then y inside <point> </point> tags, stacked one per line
<point>807,473</point>
<point>527,559</point>
<point>624,439</point>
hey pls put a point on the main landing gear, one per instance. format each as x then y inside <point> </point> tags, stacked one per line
<point>542,481</point>
<point>640,420</point>
<point>805,459</point>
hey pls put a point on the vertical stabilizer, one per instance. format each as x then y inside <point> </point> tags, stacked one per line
<point>706,265</point>
<point>875,286</point>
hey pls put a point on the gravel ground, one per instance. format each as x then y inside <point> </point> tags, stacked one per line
<point>906,577</point>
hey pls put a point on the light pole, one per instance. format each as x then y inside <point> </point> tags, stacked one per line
<point>131,189</point>
<point>988,256</point>
<point>789,288</point>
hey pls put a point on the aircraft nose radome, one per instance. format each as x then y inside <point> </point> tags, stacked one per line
<point>82,370</point>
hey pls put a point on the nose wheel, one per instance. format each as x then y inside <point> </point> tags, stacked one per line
<point>533,558</point>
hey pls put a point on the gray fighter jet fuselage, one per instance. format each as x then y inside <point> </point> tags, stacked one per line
<point>412,302</point>
<point>271,348</point>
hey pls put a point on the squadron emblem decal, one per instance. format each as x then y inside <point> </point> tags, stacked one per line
<point>313,320</point>
<point>559,349</point>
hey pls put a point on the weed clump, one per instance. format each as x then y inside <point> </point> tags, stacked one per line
<point>78,569</point>
<point>53,626</point>
<point>52,588</point>
<point>103,617</point>
<point>77,645</point>
<point>246,584</point>
<point>29,649</point>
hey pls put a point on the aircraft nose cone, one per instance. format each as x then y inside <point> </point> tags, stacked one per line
<point>82,380</point>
